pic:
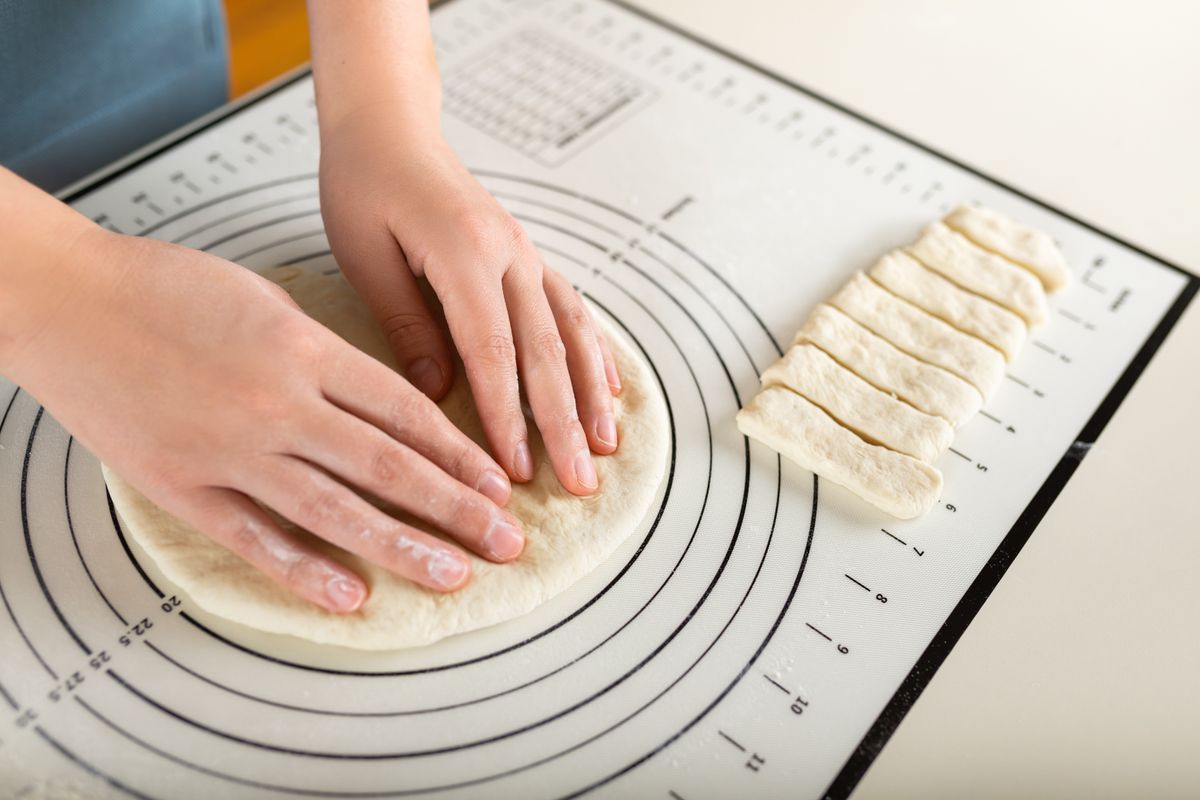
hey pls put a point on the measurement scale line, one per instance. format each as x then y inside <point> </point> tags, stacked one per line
<point>991,417</point>
<point>8,408</point>
<point>860,583</point>
<point>818,630</point>
<point>1045,347</point>
<point>277,242</point>
<point>560,229</point>
<point>24,636</point>
<point>180,239</point>
<point>208,203</point>
<point>310,257</point>
<point>33,560</point>
<point>731,740</point>
<point>1016,380</point>
<point>116,523</point>
<point>894,536</point>
<point>777,684</point>
<point>674,795</point>
<point>960,454</point>
<point>558,210</point>
<point>208,771</point>
<point>79,762</point>
<point>75,539</point>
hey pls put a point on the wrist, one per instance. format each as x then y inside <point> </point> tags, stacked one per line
<point>62,279</point>
<point>376,58</point>
<point>379,123</point>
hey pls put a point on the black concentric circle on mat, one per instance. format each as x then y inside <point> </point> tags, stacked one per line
<point>596,674</point>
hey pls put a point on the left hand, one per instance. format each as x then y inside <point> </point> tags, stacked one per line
<point>399,205</point>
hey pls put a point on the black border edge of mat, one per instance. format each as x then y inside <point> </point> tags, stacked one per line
<point>989,577</point>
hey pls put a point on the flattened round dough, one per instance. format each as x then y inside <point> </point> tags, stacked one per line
<point>566,536</point>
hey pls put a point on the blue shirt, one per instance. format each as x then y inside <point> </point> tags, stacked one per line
<point>84,82</point>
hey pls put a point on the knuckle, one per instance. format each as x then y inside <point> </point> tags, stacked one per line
<point>407,326</point>
<point>476,231</point>
<point>494,236</point>
<point>462,463</point>
<point>402,415</point>
<point>462,512</point>
<point>242,534</point>
<point>384,466</point>
<point>548,345</point>
<point>315,507</point>
<point>265,403</point>
<point>496,349</point>
<point>279,294</point>
<point>302,342</point>
<point>512,234</point>
<point>576,316</point>
<point>568,421</point>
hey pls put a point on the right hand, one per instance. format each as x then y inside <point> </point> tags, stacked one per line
<point>206,387</point>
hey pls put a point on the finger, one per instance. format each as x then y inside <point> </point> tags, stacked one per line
<point>585,362</point>
<point>235,521</point>
<point>479,325</point>
<point>364,456</point>
<point>362,386</point>
<point>610,364</point>
<point>377,269</point>
<point>316,502</point>
<point>542,356</point>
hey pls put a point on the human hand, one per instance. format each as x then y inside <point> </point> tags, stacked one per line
<point>207,388</point>
<point>398,205</point>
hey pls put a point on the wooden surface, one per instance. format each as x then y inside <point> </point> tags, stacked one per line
<point>266,38</point>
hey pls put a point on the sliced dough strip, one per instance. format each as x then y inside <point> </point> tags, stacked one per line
<point>876,417</point>
<point>977,270</point>
<point>926,387</point>
<point>1033,249</point>
<point>920,334</point>
<point>787,423</point>
<point>903,275</point>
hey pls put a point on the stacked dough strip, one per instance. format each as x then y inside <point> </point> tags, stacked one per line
<point>878,377</point>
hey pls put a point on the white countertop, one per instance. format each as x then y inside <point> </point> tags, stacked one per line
<point>1077,677</point>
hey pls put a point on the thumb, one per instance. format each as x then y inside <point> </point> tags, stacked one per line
<point>381,276</point>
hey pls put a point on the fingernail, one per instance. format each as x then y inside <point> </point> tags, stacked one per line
<point>523,461</point>
<point>446,569</point>
<point>503,540</point>
<point>614,380</point>
<point>606,430</point>
<point>494,487</point>
<point>426,375</point>
<point>585,470</point>
<point>345,594</point>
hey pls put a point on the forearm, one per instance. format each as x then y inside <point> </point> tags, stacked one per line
<point>375,52</point>
<point>38,274</point>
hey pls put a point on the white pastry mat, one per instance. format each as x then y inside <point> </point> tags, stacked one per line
<point>740,642</point>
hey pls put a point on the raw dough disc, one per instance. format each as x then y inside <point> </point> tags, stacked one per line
<point>566,537</point>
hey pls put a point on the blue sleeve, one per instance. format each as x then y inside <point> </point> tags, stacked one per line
<point>84,83</point>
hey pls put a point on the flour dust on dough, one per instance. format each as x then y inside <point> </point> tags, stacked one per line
<point>566,536</point>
